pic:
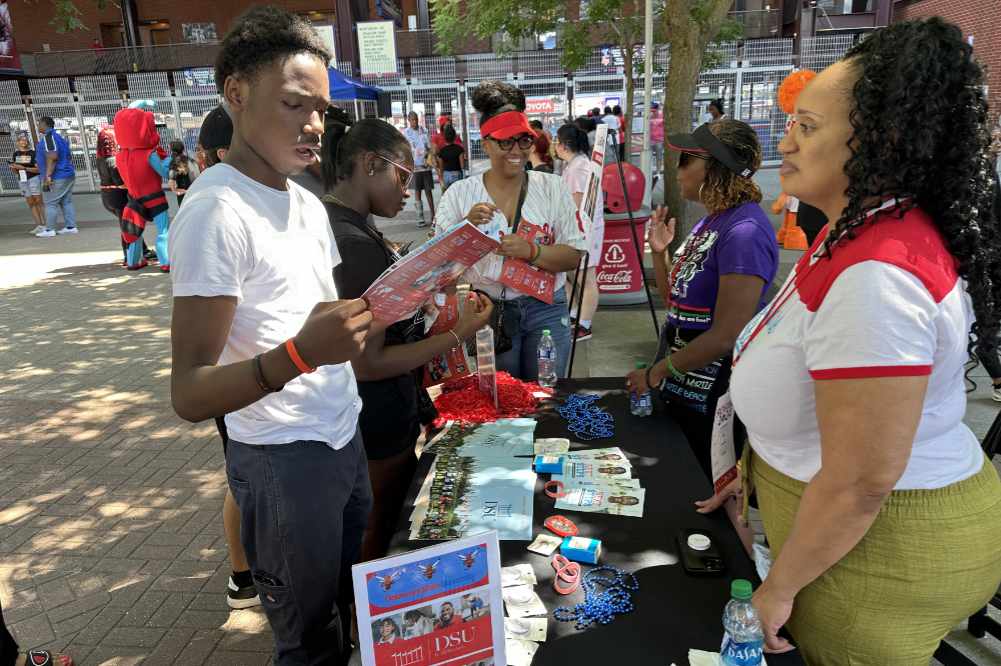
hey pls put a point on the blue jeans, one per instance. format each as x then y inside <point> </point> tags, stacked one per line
<point>449,177</point>
<point>60,198</point>
<point>303,509</point>
<point>522,360</point>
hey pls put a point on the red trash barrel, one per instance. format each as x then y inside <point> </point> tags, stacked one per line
<point>620,272</point>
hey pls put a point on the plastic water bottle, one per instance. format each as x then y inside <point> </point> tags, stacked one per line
<point>547,360</point>
<point>641,404</point>
<point>743,642</point>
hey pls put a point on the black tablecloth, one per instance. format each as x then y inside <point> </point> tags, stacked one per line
<point>674,610</point>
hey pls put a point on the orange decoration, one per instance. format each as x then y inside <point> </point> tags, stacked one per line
<point>792,86</point>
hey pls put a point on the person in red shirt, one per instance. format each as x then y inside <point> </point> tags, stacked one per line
<point>438,142</point>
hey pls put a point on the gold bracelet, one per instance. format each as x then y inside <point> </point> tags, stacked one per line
<point>458,341</point>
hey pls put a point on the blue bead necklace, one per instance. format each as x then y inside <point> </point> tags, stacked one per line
<point>585,419</point>
<point>607,593</point>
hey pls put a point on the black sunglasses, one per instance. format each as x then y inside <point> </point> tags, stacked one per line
<point>685,159</point>
<point>525,141</point>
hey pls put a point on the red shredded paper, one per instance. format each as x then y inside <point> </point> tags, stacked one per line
<point>462,400</point>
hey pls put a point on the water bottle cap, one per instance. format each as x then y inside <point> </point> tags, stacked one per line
<point>640,365</point>
<point>741,589</point>
<point>545,331</point>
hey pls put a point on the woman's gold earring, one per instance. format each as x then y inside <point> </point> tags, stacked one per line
<point>701,185</point>
<point>371,172</point>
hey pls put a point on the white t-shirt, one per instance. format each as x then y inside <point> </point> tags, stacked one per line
<point>418,140</point>
<point>548,204</point>
<point>887,304</point>
<point>576,176</point>
<point>274,251</point>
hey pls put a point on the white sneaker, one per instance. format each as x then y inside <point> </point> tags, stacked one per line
<point>996,395</point>
<point>37,228</point>
<point>45,233</point>
<point>68,230</point>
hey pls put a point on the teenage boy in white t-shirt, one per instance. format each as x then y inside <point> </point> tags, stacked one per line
<point>260,336</point>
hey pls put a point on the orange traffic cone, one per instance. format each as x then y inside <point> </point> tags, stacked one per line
<point>777,208</point>
<point>794,238</point>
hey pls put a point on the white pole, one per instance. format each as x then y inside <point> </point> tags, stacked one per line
<point>645,161</point>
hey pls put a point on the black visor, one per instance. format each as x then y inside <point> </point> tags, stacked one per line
<point>704,142</point>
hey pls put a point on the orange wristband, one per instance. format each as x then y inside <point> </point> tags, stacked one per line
<point>293,354</point>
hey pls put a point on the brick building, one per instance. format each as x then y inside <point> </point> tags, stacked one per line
<point>978,22</point>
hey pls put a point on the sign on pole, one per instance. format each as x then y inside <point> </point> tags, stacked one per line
<point>377,47</point>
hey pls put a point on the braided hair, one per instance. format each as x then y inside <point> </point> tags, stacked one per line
<point>920,130</point>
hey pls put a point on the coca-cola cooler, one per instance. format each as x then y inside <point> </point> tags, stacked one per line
<point>620,272</point>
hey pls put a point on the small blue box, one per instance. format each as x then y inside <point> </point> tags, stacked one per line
<point>548,464</point>
<point>581,549</point>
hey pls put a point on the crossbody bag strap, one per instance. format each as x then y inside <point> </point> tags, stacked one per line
<point>521,202</point>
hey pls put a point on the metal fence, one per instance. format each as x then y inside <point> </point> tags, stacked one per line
<point>746,78</point>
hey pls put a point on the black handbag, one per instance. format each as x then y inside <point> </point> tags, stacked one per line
<point>506,320</point>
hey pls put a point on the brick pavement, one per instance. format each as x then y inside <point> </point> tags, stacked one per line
<point>111,542</point>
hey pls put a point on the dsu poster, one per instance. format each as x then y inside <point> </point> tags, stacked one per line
<point>436,605</point>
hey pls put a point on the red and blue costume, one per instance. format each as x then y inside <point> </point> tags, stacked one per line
<point>143,165</point>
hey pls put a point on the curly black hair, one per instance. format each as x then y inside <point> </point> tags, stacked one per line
<point>493,97</point>
<point>722,188</point>
<point>262,35</point>
<point>921,131</point>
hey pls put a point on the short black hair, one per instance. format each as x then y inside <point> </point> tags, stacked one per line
<point>177,147</point>
<point>616,110</point>
<point>535,124</point>
<point>493,97</point>
<point>574,137</point>
<point>344,141</point>
<point>261,36</point>
<point>608,110</point>
<point>718,103</point>
<point>449,133</point>
<point>49,122</point>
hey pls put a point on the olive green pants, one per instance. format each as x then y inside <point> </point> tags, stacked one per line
<point>930,560</point>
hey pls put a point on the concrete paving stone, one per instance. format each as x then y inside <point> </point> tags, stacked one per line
<point>198,649</point>
<point>82,606</point>
<point>22,612</point>
<point>145,607</point>
<point>158,552</point>
<point>141,637</point>
<point>101,623</point>
<point>78,652</point>
<point>201,618</point>
<point>55,593</point>
<point>222,658</point>
<point>127,545</point>
<point>170,647</point>
<point>118,565</point>
<point>126,593</point>
<point>69,628</point>
<point>164,538</point>
<point>171,609</point>
<point>115,656</point>
<point>209,601</point>
<point>33,631</point>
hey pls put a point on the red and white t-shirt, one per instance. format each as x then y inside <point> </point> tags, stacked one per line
<point>887,304</point>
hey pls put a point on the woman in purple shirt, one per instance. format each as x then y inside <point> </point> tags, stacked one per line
<point>717,280</point>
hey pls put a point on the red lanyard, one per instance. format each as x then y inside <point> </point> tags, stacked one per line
<point>773,310</point>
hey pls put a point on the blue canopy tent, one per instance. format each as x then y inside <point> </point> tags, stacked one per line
<point>346,88</point>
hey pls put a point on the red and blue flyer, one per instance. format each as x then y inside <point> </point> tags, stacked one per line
<point>437,605</point>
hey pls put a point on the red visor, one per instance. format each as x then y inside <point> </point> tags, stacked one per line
<point>506,125</point>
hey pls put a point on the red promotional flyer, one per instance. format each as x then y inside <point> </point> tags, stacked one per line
<point>453,363</point>
<point>436,605</point>
<point>406,285</point>
<point>524,277</point>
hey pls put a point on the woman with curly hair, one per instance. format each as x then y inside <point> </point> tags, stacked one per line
<point>516,199</point>
<point>717,280</point>
<point>883,514</point>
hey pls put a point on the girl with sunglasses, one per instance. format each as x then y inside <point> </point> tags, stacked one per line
<point>367,168</point>
<point>514,198</point>
<point>717,280</point>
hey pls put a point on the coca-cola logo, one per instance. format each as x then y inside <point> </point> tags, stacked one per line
<point>614,254</point>
<point>620,277</point>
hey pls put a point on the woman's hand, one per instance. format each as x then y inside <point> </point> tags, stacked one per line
<point>481,213</point>
<point>513,245</point>
<point>732,489</point>
<point>475,316</point>
<point>636,380</point>
<point>774,610</point>
<point>661,232</point>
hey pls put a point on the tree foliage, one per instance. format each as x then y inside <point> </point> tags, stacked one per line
<point>66,15</point>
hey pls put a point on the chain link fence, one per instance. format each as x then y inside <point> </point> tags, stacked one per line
<point>745,76</point>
